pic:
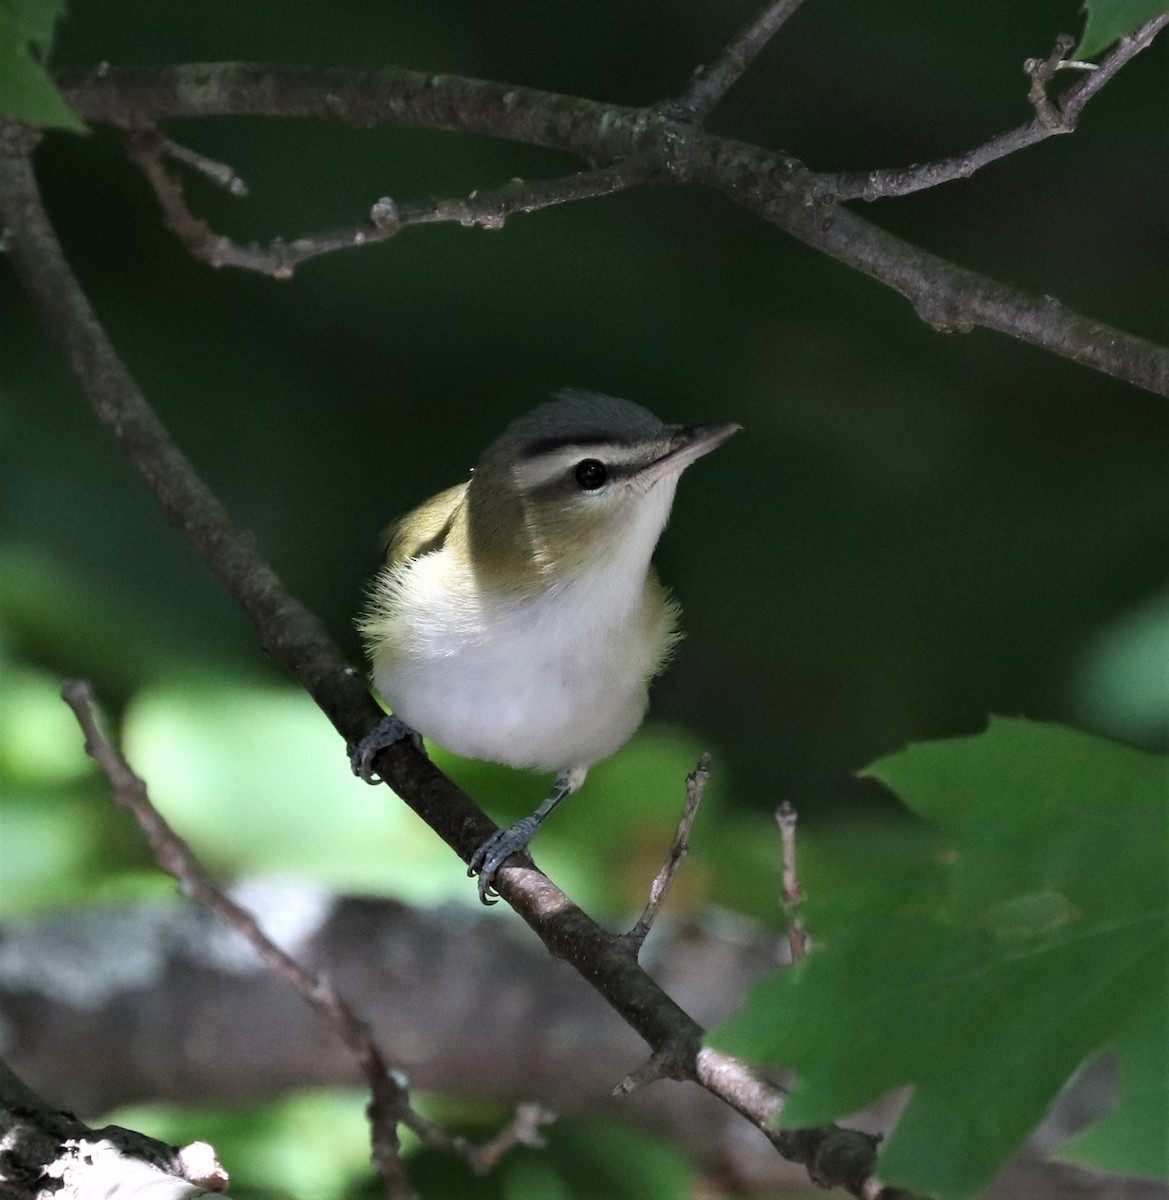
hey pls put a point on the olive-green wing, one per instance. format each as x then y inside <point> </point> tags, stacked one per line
<point>424,529</point>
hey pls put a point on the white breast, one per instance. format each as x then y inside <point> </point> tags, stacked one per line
<point>551,681</point>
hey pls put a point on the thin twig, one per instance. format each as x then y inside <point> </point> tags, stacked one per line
<point>695,788</point>
<point>488,209</point>
<point>785,818</point>
<point>524,1130</point>
<point>219,173</point>
<point>711,83</point>
<point>1041,71</point>
<point>656,1067</point>
<point>1058,117</point>
<point>387,1098</point>
<point>1127,48</point>
<point>676,1060</point>
<point>389,1090</point>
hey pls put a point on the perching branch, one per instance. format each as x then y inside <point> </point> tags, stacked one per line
<point>295,638</point>
<point>672,152</point>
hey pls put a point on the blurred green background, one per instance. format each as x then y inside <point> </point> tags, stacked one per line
<point>914,531</point>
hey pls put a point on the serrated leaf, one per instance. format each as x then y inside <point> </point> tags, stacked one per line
<point>1109,20</point>
<point>984,978</point>
<point>26,91</point>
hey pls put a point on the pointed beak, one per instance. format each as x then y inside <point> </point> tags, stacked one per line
<point>686,446</point>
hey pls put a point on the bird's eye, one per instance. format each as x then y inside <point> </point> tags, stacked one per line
<point>591,473</point>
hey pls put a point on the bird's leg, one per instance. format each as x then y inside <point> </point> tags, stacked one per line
<point>385,733</point>
<point>502,844</point>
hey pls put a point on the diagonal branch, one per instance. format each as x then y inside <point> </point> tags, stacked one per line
<point>219,173</point>
<point>778,188</point>
<point>711,83</point>
<point>1072,102</point>
<point>389,1103</point>
<point>660,888</point>
<point>952,299</point>
<point>295,638</point>
<point>389,1090</point>
<point>1052,118</point>
<point>279,259</point>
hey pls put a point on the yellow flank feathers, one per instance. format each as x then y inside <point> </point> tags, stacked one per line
<point>424,528</point>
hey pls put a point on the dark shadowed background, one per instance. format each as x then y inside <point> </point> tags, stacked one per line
<point>915,530</point>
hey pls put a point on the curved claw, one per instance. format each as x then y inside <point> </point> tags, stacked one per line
<point>495,851</point>
<point>385,733</point>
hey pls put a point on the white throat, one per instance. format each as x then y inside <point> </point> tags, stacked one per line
<point>554,680</point>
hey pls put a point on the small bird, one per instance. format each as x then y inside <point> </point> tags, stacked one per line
<point>518,618</point>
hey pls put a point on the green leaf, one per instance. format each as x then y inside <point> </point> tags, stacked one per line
<point>26,91</point>
<point>984,978</point>
<point>1109,20</point>
<point>598,1157</point>
<point>38,20</point>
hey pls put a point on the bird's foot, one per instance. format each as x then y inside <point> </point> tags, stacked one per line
<point>385,733</point>
<point>496,850</point>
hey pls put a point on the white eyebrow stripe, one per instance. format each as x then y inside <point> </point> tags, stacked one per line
<point>529,474</point>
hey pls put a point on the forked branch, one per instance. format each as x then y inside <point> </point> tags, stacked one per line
<point>1052,117</point>
<point>656,146</point>
<point>487,209</point>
